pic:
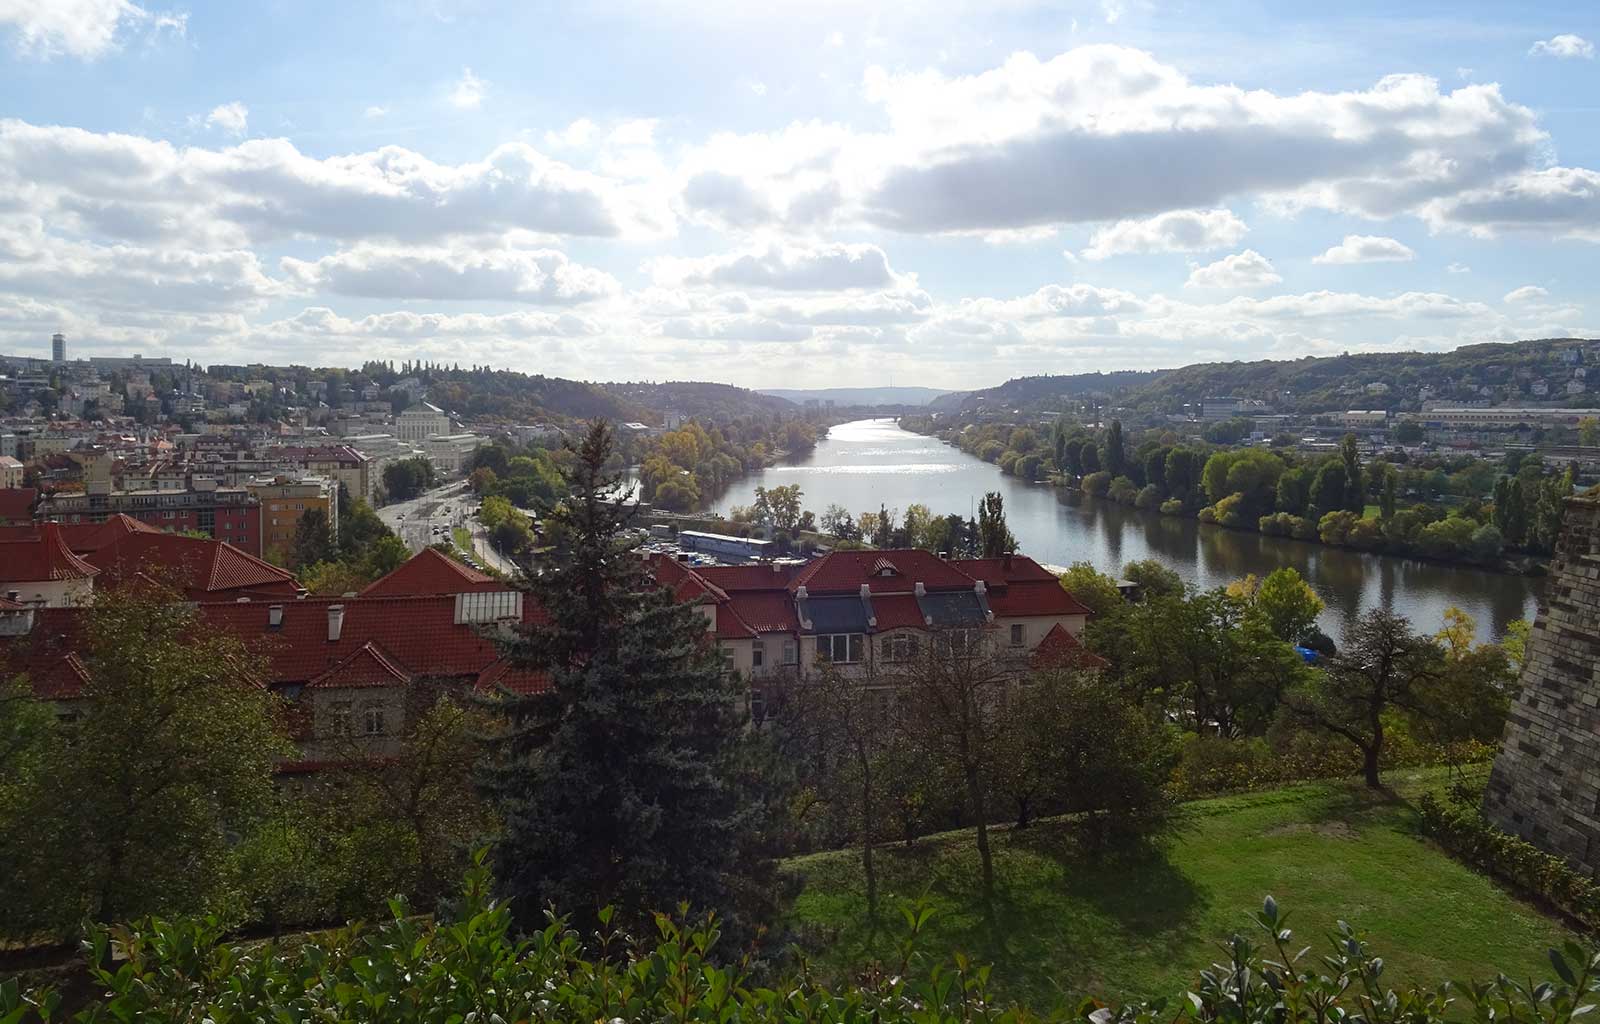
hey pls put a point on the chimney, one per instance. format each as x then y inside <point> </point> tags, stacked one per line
<point>1005,561</point>
<point>866,591</point>
<point>980,587</point>
<point>800,592</point>
<point>918,589</point>
<point>777,568</point>
<point>335,621</point>
<point>275,616</point>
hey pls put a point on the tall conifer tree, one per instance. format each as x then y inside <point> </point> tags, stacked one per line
<point>626,781</point>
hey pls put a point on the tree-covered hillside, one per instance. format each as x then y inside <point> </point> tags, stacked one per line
<point>1525,371</point>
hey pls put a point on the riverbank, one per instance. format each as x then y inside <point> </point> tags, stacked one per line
<point>1413,533</point>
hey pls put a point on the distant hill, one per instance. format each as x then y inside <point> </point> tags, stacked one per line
<point>1546,371</point>
<point>698,399</point>
<point>858,396</point>
<point>1044,392</point>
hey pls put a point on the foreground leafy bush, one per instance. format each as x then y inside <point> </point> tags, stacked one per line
<point>469,967</point>
<point>1467,835</point>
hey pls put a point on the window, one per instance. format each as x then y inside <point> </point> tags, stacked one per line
<point>725,652</point>
<point>758,654</point>
<point>374,720</point>
<point>899,647</point>
<point>1016,634</point>
<point>339,720</point>
<point>791,652</point>
<point>957,642</point>
<point>840,648</point>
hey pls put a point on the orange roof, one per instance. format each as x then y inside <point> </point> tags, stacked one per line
<point>44,558</point>
<point>16,503</point>
<point>368,666</point>
<point>429,572</point>
<point>204,569</point>
<point>1060,649</point>
<point>847,570</point>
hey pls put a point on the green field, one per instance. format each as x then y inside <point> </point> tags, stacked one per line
<point>463,539</point>
<point>1069,926</point>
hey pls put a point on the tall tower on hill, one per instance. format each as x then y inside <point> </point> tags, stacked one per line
<point>1545,785</point>
<point>58,348</point>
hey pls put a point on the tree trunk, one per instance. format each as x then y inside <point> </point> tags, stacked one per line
<point>1371,752</point>
<point>1023,818</point>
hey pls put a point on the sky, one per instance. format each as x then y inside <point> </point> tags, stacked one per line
<point>796,193</point>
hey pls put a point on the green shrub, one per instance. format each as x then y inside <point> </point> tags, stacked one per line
<point>1468,836</point>
<point>1172,507</point>
<point>1123,490</point>
<point>468,966</point>
<point>1097,483</point>
<point>1149,497</point>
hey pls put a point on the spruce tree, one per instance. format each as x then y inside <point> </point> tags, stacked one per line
<point>626,782</point>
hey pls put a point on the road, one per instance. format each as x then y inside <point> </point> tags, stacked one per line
<point>415,520</point>
<point>433,516</point>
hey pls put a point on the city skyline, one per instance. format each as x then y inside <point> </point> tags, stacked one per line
<point>951,195</point>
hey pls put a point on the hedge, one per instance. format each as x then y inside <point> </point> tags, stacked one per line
<point>1468,836</point>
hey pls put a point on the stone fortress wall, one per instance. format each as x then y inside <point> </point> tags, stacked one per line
<point>1545,785</point>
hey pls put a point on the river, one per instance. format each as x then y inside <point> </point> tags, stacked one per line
<point>868,463</point>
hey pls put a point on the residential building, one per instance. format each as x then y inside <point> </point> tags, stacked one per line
<point>16,505</point>
<point>420,422</point>
<point>1363,418</point>
<point>868,613</point>
<point>285,500</point>
<point>1505,417</point>
<point>10,473</point>
<point>230,514</point>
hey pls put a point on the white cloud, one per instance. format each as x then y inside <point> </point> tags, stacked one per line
<point>1178,231</point>
<point>1564,201</point>
<point>141,190</point>
<point>541,276</point>
<point>1097,134</point>
<point>1248,269</point>
<point>575,135</point>
<point>1367,249</point>
<point>1458,268</point>
<point>375,111</point>
<point>1565,46</point>
<point>822,267</point>
<point>233,118</point>
<point>1527,293</point>
<point>85,29</point>
<point>469,91</point>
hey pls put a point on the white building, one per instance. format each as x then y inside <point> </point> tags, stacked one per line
<point>420,422</point>
<point>449,451</point>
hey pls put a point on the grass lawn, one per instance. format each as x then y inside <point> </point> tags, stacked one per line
<point>463,538</point>
<point>1371,512</point>
<point>1326,851</point>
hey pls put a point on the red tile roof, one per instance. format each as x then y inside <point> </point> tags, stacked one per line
<point>430,572</point>
<point>205,570</point>
<point>1024,587</point>
<point>16,504</point>
<point>845,571</point>
<point>897,611</point>
<point>368,666</point>
<point>45,558</point>
<point>416,636</point>
<point>1060,649</point>
<point>733,578</point>
<point>769,611</point>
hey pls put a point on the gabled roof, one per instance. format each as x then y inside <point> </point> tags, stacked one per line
<point>45,558</point>
<point>1060,649</point>
<point>368,666</point>
<point>846,570</point>
<point>203,569</point>
<point>431,572</point>
<point>83,538</point>
<point>1019,586</point>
